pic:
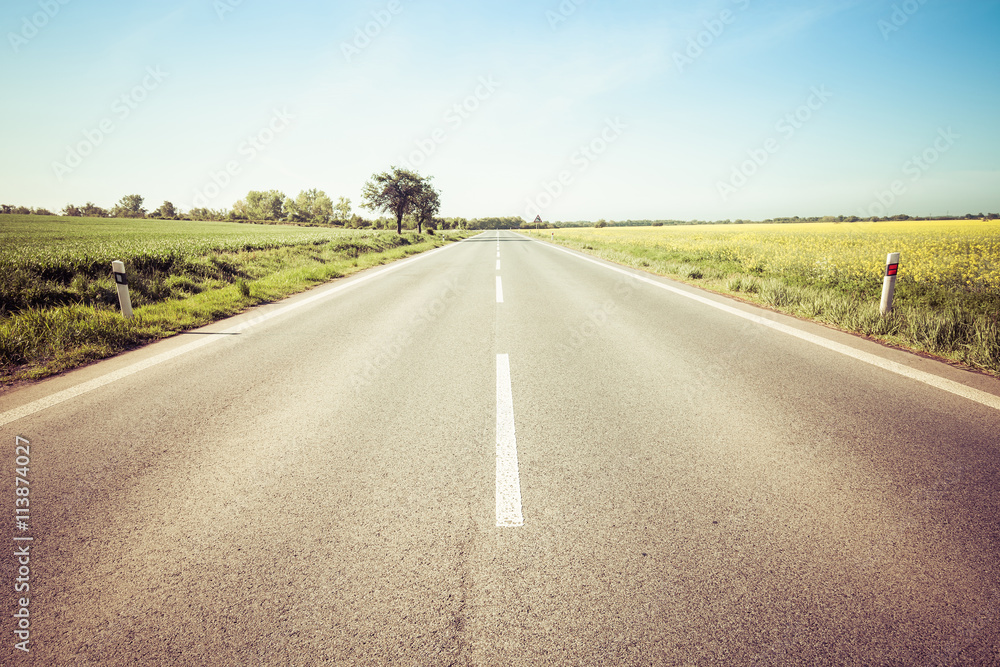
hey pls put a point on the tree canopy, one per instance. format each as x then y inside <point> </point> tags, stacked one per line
<point>399,193</point>
<point>310,206</point>
<point>130,206</point>
<point>427,205</point>
<point>260,205</point>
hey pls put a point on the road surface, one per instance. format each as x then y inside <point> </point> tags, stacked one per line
<point>505,453</point>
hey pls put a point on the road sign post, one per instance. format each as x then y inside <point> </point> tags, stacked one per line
<point>118,270</point>
<point>889,282</point>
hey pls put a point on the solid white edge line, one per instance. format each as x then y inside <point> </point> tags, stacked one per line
<point>508,484</point>
<point>499,290</point>
<point>950,386</point>
<point>40,404</point>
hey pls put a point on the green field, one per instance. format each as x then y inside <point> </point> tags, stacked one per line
<point>947,296</point>
<point>59,303</point>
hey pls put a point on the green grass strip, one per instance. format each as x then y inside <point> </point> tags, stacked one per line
<point>945,321</point>
<point>39,341</point>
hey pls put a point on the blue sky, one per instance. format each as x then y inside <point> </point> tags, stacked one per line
<point>571,109</point>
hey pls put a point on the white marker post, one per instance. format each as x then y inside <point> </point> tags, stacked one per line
<point>118,269</point>
<point>889,282</point>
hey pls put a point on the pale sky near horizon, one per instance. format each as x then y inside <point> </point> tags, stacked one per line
<point>571,109</point>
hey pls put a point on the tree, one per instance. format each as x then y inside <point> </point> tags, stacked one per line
<point>310,206</point>
<point>207,214</point>
<point>268,205</point>
<point>71,211</point>
<point>92,210</point>
<point>167,211</point>
<point>130,206</point>
<point>394,193</point>
<point>426,204</point>
<point>342,211</point>
<point>239,211</point>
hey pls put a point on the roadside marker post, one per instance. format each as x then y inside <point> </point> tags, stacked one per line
<point>118,269</point>
<point>889,282</point>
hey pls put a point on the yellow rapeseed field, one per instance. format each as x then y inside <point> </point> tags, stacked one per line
<point>953,253</point>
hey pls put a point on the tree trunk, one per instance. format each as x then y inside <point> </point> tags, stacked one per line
<point>399,224</point>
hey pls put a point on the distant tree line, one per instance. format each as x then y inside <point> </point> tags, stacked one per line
<point>310,207</point>
<point>794,219</point>
<point>409,198</point>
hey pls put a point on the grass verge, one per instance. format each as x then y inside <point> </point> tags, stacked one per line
<point>41,340</point>
<point>948,322</point>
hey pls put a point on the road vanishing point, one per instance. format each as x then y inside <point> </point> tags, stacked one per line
<point>503,452</point>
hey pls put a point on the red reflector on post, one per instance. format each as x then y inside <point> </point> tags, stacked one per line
<point>891,269</point>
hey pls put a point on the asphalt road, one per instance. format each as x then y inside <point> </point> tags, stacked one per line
<point>428,465</point>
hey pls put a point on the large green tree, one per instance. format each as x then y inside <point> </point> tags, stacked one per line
<point>167,211</point>
<point>427,204</point>
<point>260,205</point>
<point>343,210</point>
<point>310,206</point>
<point>130,206</point>
<point>396,193</point>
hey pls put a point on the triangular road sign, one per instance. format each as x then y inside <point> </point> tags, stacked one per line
<point>538,218</point>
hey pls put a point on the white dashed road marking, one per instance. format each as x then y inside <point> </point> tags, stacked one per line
<point>508,487</point>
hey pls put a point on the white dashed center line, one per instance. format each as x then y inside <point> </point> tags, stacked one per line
<point>499,290</point>
<point>508,488</point>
